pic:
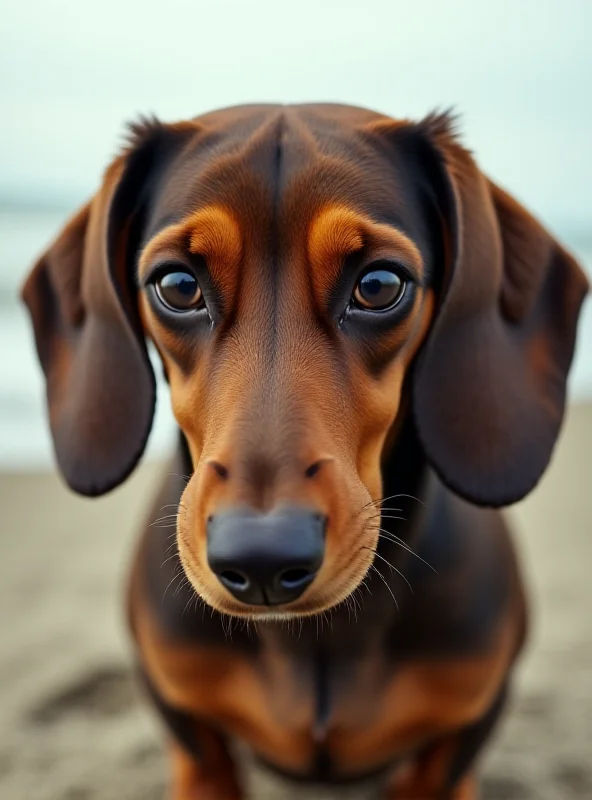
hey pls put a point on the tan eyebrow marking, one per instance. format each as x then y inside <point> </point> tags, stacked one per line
<point>339,231</point>
<point>215,233</point>
<point>211,232</point>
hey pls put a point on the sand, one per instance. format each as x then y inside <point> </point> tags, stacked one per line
<point>73,725</point>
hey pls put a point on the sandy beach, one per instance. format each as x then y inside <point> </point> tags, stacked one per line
<point>73,725</point>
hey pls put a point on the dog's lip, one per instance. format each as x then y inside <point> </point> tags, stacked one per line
<point>286,611</point>
<point>306,606</point>
<point>272,612</point>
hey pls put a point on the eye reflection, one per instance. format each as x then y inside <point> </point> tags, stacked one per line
<point>179,291</point>
<point>379,289</point>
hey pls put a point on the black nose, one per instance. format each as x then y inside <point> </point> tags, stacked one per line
<point>266,559</point>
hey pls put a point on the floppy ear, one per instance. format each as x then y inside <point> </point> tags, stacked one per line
<point>80,294</point>
<point>489,387</point>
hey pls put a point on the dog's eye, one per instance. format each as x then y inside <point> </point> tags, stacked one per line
<point>179,291</point>
<point>379,289</point>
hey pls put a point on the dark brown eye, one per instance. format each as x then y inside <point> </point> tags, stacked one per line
<point>379,289</point>
<point>179,291</point>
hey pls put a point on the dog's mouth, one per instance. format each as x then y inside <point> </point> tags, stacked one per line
<point>316,583</point>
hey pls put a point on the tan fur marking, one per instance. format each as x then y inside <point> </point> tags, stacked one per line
<point>337,232</point>
<point>211,232</point>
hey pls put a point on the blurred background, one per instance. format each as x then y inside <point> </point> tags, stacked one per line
<point>72,74</point>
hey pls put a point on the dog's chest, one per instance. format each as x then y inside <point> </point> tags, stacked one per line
<point>350,717</point>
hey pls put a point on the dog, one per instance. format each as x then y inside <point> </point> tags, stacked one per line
<point>367,344</point>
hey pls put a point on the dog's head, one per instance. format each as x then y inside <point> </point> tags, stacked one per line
<point>307,274</point>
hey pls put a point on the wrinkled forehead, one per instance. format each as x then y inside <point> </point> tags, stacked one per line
<point>260,179</point>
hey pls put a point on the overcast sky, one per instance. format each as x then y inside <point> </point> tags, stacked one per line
<point>519,71</point>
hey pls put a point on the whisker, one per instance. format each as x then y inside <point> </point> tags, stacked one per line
<point>188,603</point>
<point>183,584</point>
<point>355,603</point>
<point>173,579</point>
<point>185,478</point>
<point>383,579</point>
<point>393,497</point>
<point>163,519</point>
<point>355,608</point>
<point>168,525</point>
<point>388,563</point>
<point>396,540</point>
<point>358,595</point>
<point>170,558</point>
<point>348,605</point>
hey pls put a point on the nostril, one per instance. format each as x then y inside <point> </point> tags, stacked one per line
<point>293,578</point>
<point>220,470</point>
<point>311,471</point>
<point>234,580</point>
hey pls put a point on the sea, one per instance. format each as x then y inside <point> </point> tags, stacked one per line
<point>24,440</point>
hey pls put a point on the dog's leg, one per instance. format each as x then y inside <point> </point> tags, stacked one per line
<point>468,789</point>
<point>444,770</point>
<point>419,785</point>
<point>210,778</point>
<point>425,778</point>
<point>202,766</point>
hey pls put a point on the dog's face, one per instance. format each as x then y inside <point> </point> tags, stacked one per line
<point>287,289</point>
<point>288,265</point>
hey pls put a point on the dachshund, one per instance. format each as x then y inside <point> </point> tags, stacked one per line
<point>367,343</point>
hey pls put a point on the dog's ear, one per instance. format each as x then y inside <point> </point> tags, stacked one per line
<point>81,297</point>
<point>489,385</point>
